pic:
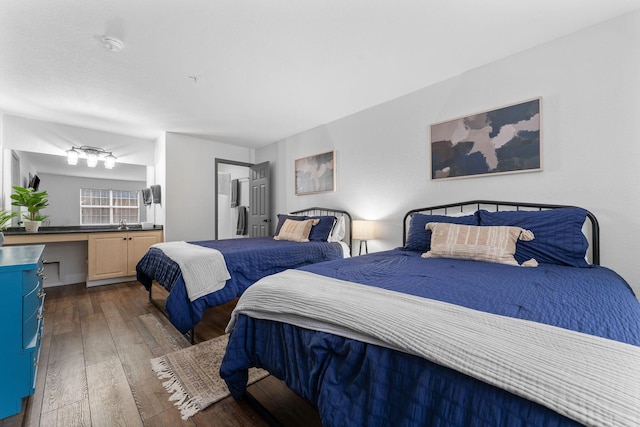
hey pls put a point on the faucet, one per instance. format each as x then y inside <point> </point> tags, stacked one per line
<point>123,225</point>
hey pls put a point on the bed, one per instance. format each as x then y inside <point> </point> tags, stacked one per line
<point>246,260</point>
<point>404,338</point>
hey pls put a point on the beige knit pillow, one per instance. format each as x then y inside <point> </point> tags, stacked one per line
<point>296,231</point>
<point>479,243</point>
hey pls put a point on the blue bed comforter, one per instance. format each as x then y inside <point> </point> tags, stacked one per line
<point>353,383</point>
<point>247,260</point>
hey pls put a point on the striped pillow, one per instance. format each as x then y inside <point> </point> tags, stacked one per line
<point>492,244</point>
<point>296,231</point>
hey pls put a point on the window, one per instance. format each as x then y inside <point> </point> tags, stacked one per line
<point>108,206</point>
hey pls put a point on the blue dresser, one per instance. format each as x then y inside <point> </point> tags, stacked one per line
<point>21,320</point>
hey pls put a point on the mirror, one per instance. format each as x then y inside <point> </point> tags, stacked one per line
<point>63,182</point>
<point>57,165</point>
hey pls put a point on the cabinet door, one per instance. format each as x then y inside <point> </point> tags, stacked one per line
<point>107,255</point>
<point>138,244</point>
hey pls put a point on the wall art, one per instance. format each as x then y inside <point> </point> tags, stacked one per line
<point>505,140</point>
<point>316,174</point>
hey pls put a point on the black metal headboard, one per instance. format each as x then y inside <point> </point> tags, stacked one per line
<point>316,211</point>
<point>474,205</point>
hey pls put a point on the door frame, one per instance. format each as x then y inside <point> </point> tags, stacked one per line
<point>226,162</point>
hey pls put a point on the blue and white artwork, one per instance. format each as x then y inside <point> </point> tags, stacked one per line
<point>505,140</point>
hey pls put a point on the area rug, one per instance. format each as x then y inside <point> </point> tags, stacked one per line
<point>193,377</point>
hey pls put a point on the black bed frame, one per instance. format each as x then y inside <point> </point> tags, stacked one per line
<point>314,211</point>
<point>495,206</point>
<point>464,207</point>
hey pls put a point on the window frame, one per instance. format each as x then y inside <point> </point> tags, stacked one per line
<point>113,198</point>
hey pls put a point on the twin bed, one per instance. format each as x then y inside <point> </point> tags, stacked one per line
<point>247,260</point>
<point>446,330</point>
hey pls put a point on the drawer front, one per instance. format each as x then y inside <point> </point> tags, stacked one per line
<point>32,329</point>
<point>35,361</point>
<point>32,305</point>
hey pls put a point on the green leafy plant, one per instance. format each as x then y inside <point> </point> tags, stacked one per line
<point>33,200</point>
<point>5,218</point>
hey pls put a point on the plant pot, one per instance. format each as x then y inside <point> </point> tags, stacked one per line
<point>32,226</point>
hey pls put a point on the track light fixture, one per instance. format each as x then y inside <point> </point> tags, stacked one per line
<point>92,154</point>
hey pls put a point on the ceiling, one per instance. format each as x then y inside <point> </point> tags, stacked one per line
<point>250,72</point>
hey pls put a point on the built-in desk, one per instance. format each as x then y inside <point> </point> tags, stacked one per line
<point>109,255</point>
<point>38,238</point>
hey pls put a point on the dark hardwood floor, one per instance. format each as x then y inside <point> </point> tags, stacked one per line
<point>94,367</point>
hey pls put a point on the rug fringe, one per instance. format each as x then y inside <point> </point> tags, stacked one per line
<point>188,405</point>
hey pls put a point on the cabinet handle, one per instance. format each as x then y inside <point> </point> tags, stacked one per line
<point>40,316</point>
<point>130,238</point>
<point>41,293</point>
<point>35,363</point>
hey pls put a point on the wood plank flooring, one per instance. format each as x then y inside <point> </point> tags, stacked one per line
<point>94,367</point>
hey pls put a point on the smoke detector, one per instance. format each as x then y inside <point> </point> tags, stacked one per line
<point>112,43</point>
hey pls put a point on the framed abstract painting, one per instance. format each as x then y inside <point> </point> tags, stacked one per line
<point>316,174</point>
<point>504,140</point>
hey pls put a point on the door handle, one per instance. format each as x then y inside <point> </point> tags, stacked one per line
<point>266,220</point>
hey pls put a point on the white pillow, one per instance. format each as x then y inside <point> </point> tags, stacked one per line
<point>338,231</point>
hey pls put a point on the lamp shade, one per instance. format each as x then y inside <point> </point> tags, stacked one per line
<point>109,161</point>
<point>92,160</point>
<point>72,157</point>
<point>364,230</point>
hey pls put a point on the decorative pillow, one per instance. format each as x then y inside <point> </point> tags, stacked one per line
<point>492,244</point>
<point>559,237</point>
<point>321,231</point>
<point>419,238</point>
<point>282,218</point>
<point>339,231</point>
<point>296,231</point>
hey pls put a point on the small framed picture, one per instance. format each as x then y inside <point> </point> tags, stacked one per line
<point>316,174</point>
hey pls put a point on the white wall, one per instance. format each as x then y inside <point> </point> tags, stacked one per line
<point>590,88</point>
<point>190,184</point>
<point>158,176</point>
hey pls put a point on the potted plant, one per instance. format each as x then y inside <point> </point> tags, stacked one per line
<point>34,201</point>
<point>5,222</point>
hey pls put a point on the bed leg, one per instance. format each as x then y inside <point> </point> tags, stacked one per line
<point>261,410</point>
<point>191,335</point>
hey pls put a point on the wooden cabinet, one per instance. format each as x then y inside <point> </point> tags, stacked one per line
<point>22,317</point>
<point>115,254</point>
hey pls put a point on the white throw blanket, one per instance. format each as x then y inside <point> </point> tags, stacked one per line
<point>203,269</point>
<point>592,380</point>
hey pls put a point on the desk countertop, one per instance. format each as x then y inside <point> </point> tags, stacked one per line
<point>19,231</point>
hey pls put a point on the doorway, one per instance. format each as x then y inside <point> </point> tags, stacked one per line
<point>242,199</point>
<point>232,198</point>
